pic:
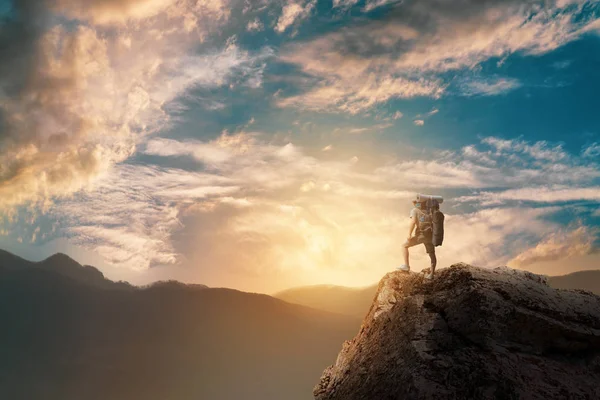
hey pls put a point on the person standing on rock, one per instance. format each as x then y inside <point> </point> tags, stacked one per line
<point>422,221</point>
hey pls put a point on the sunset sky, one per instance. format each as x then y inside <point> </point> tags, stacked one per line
<point>265,144</point>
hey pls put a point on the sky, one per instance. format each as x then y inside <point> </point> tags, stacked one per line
<point>267,144</point>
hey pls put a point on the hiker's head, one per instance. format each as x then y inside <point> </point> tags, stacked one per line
<point>417,204</point>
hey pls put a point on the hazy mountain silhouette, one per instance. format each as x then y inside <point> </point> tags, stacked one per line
<point>337,299</point>
<point>585,280</point>
<point>61,264</point>
<point>356,301</point>
<point>69,333</point>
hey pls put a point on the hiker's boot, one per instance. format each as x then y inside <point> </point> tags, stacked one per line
<point>403,268</point>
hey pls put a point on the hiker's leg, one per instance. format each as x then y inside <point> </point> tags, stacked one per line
<point>409,243</point>
<point>431,251</point>
<point>433,261</point>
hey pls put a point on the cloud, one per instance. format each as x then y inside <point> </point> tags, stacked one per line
<point>358,130</point>
<point>344,3</point>
<point>358,95</point>
<point>540,150</point>
<point>373,4</point>
<point>129,216</point>
<point>500,163</point>
<point>560,245</point>
<point>79,99</point>
<point>110,11</point>
<point>419,122</point>
<point>249,160</point>
<point>120,12</point>
<point>411,53</point>
<point>293,11</point>
<point>397,115</point>
<point>489,87</point>
<point>490,237</point>
<point>591,151</point>
<point>541,194</point>
<point>255,25</point>
<point>562,64</point>
<point>431,174</point>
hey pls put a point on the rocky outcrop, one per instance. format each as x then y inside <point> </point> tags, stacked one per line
<point>472,333</point>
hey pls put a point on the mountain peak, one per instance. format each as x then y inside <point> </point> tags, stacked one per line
<point>60,256</point>
<point>470,333</point>
<point>66,266</point>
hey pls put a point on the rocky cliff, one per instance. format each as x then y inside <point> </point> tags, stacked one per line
<point>471,333</point>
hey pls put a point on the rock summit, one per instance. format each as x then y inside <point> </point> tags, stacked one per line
<point>471,333</point>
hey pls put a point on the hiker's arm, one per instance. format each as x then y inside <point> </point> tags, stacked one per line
<point>411,227</point>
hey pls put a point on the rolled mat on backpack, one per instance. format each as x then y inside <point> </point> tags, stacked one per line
<point>426,197</point>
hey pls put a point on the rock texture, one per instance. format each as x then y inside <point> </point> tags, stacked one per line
<point>472,333</point>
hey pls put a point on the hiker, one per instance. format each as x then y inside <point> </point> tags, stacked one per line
<point>422,216</point>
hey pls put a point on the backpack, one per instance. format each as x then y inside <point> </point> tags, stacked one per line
<point>424,223</point>
<point>437,222</point>
<point>433,222</point>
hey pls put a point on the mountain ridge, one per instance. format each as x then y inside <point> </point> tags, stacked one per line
<point>333,298</point>
<point>64,265</point>
<point>71,340</point>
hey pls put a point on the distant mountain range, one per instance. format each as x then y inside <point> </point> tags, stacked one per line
<point>356,301</point>
<point>336,299</point>
<point>583,280</point>
<point>70,334</point>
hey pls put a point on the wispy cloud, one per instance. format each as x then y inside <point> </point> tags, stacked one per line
<point>356,95</point>
<point>502,164</point>
<point>538,194</point>
<point>562,64</point>
<point>130,215</point>
<point>558,246</point>
<point>408,55</point>
<point>373,4</point>
<point>344,3</point>
<point>592,151</point>
<point>255,25</point>
<point>293,11</point>
<point>491,237</point>
<point>489,87</point>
